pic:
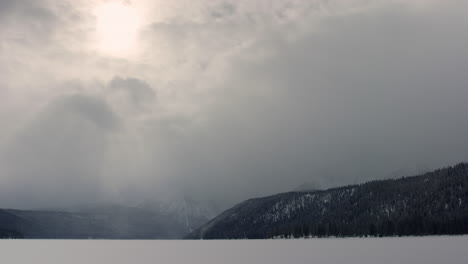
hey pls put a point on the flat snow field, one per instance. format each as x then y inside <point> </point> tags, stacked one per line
<point>424,250</point>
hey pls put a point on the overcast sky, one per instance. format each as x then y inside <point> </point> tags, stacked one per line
<point>134,100</point>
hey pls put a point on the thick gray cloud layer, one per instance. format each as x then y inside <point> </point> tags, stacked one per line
<point>227,99</point>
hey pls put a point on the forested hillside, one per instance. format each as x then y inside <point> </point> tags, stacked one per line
<point>429,204</point>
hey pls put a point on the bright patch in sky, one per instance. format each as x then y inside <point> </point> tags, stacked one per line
<point>117,27</point>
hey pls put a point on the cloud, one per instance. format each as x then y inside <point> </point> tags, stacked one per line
<point>224,10</point>
<point>349,100</point>
<point>228,100</point>
<point>138,91</point>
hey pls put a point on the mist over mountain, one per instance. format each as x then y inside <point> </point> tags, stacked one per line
<point>161,221</point>
<point>187,212</point>
<point>307,187</point>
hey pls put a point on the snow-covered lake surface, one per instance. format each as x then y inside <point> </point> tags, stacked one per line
<point>414,250</point>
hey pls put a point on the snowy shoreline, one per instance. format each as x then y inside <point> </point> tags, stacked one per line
<point>414,250</point>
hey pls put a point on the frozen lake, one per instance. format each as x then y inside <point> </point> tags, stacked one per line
<point>423,250</point>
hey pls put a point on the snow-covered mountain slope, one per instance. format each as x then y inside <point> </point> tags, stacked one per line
<point>432,203</point>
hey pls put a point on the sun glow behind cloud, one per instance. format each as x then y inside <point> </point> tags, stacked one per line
<point>117,27</point>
